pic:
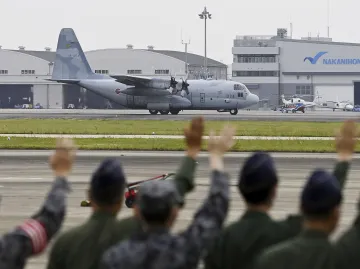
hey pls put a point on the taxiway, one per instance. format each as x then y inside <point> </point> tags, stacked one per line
<point>25,179</point>
<point>268,115</point>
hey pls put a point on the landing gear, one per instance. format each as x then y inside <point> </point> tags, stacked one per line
<point>153,112</point>
<point>174,111</point>
<point>233,111</point>
<point>164,112</point>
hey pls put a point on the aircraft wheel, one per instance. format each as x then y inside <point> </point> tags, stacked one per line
<point>153,112</point>
<point>174,112</point>
<point>129,202</point>
<point>233,111</point>
<point>164,112</point>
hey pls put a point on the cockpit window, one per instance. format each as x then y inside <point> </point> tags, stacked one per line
<point>238,87</point>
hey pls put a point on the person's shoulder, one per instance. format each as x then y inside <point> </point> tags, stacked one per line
<point>69,235</point>
<point>276,251</point>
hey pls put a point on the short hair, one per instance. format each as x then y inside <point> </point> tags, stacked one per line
<point>320,195</point>
<point>108,183</point>
<point>257,179</point>
<point>159,217</point>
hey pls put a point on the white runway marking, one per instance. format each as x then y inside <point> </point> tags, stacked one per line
<point>161,137</point>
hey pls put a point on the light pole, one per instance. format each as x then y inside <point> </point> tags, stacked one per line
<point>204,16</point>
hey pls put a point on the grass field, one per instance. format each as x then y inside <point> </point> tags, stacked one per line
<point>139,127</point>
<point>169,144</point>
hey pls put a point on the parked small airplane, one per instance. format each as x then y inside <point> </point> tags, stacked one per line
<point>343,105</point>
<point>138,92</point>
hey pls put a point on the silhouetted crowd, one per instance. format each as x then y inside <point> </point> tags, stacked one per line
<point>145,240</point>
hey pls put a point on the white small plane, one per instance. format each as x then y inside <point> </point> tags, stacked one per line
<point>343,105</point>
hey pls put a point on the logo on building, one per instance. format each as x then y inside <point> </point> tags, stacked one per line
<point>332,61</point>
<point>316,58</point>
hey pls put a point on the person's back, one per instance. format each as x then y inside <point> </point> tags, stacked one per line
<point>83,246</point>
<point>320,205</point>
<point>243,240</point>
<point>310,250</point>
<point>89,240</point>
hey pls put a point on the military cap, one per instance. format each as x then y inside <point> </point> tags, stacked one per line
<point>109,173</point>
<point>321,193</point>
<point>154,197</point>
<point>258,172</point>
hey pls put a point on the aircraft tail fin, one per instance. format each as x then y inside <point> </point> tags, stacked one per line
<point>70,62</point>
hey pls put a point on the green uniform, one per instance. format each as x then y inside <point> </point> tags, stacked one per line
<point>347,247</point>
<point>309,250</point>
<point>83,246</point>
<point>241,242</point>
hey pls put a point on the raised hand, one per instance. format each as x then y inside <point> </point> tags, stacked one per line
<point>62,160</point>
<point>193,136</point>
<point>346,139</point>
<point>219,145</point>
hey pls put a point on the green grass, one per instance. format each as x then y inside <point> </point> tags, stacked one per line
<point>143,127</point>
<point>170,144</point>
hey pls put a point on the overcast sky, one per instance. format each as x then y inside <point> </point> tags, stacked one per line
<point>35,24</point>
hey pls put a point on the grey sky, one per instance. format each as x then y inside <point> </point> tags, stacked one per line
<point>35,24</point>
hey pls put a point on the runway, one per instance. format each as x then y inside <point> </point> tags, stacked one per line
<point>268,115</point>
<point>25,179</point>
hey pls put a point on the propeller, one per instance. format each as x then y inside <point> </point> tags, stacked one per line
<point>173,82</point>
<point>184,87</point>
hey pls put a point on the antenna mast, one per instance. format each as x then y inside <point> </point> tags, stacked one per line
<point>328,18</point>
<point>186,62</point>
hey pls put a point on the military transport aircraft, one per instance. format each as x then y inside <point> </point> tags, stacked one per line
<point>139,92</point>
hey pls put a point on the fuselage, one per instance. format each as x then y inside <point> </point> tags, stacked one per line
<point>203,94</point>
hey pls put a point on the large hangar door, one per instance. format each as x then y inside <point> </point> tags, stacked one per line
<point>334,93</point>
<point>72,96</point>
<point>14,96</point>
<point>356,93</point>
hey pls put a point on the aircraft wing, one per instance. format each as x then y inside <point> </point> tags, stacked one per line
<point>137,81</point>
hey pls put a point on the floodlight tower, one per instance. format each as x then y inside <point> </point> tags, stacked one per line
<point>204,16</point>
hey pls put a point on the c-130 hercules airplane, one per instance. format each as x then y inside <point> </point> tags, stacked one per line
<point>138,92</point>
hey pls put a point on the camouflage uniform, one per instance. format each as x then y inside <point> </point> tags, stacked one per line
<point>33,235</point>
<point>157,247</point>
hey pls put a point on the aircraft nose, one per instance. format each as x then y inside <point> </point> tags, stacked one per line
<point>254,99</point>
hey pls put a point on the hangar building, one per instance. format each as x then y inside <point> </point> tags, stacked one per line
<point>23,73</point>
<point>274,65</point>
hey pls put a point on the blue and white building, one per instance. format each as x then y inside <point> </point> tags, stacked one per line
<point>275,65</point>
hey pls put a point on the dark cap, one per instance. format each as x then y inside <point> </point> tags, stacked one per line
<point>258,172</point>
<point>108,180</point>
<point>321,193</point>
<point>159,196</point>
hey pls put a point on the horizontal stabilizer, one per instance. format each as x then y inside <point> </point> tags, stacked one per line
<point>69,81</point>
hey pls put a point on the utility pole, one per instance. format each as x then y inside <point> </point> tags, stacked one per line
<point>186,61</point>
<point>204,16</point>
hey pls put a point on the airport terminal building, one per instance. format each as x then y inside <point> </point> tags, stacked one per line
<point>274,65</point>
<point>23,74</point>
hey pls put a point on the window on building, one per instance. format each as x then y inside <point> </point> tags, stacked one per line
<point>255,73</point>
<point>27,72</point>
<point>162,72</point>
<point>256,58</point>
<point>102,71</point>
<point>133,72</point>
<point>308,89</point>
<point>3,72</point>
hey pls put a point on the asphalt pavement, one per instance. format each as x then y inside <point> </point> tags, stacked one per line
<point>25,179</point>
<point>268,115</point>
